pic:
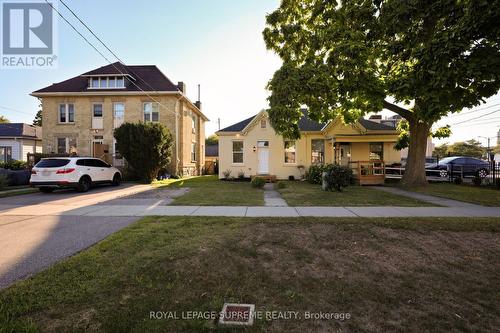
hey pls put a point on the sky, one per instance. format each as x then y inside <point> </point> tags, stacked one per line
<point>217,44</point>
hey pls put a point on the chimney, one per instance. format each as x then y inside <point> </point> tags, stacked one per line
<point>198,104</point>
<point>181,86</point>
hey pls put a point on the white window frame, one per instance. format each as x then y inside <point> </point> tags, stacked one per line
<point>114,109</point>
<point>193,151</point>
<point>93,109</point>
<point>242,152</point>
<point>66,144</point>
<point>150,113</point>
<point>103,82</point>
<point>7,151</point>
<point>193,123</point>
<point>66,113</point>
<point>324,148</point>
<point>294,152</point>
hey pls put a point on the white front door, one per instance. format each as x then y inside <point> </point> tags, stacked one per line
<point>263,157</point>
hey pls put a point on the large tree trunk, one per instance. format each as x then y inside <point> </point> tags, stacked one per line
<point>415,164</point>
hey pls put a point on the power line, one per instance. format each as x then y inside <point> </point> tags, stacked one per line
<point>102,55</point>
<point>472,111</point>
<point>14,110</point>
<point>100,41</point>
<point>481,116</point>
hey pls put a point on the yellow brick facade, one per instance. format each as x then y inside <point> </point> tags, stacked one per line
<point>170,106</point>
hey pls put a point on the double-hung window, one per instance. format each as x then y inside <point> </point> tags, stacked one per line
<point>66,113</point>
<point>238,152</point>
<point>66,145</point>
<point>193,152</point>
<point>376,151</point>
<point>5,154</point>
<point>151,112</point>
<point>290,151</point>
<point>317,151</point>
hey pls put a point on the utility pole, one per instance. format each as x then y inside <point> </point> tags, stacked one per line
<point>218,123</point>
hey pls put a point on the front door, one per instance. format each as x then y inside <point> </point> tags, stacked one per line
<point>345,154</point>
<point>263,157</point>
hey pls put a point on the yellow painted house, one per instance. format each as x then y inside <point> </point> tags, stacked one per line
<point>252,146</point>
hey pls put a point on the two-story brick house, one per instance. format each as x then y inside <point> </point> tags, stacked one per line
<point>80,114</point>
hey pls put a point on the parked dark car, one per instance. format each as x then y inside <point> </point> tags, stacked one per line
<point>460,166</point>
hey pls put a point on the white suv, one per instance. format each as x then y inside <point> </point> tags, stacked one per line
<point>78,172</point>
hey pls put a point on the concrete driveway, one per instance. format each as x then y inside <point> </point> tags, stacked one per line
<point>46,230</point>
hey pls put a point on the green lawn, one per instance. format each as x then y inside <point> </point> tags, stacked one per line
<point>16,190</point>
<point>306,194</point>
<point>210,191</point>
<point>412,275</point>
<point>468,193</point>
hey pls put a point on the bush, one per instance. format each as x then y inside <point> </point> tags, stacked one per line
<point>258,182</point>
<point>147,147</point>
<point>457,180</point>
<point>241,174</point>
<point>14,165</point>
<point>497,183</point>
<point>4,182</point>
<point>477,181</point>
<point>314,173</point>
<point>336,177</point>
<point>227,174</point>
<point>281,185</point>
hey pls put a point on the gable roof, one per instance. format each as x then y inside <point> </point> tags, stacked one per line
<point>11,130</point>
<point>374,126</point>
<point>146,77</point>
<point>308,125</point>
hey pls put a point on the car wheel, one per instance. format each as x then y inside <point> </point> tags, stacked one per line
<point>46,189</point>
<point>482,173</point>
<point>84,184</point>
<point>443,173</point>
<point>116,179</point>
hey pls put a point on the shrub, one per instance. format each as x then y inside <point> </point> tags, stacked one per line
<point>497,183</point>
<point>147,147</point>
<point>241,174</point>
<point>281,185</point>
<point>336,177</point>
<point>457,180</point>
<point>477,181</point>
<point>14,165</point>
<point>314,173</point>
<point>258,182</point>
<point>227,174</point>
<point>4,182</point>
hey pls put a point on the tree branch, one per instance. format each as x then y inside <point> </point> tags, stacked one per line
<point>399,110</point>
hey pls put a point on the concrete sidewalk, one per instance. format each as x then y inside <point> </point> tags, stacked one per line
<point>243,211</point>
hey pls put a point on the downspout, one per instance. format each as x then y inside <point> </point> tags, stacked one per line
<point>177,160</point>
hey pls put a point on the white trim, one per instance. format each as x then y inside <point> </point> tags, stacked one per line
<point>242,152</point>
<point>151,114</point>
<point>66,114</point>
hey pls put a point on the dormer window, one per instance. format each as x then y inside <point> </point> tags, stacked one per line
<point>107,82</point>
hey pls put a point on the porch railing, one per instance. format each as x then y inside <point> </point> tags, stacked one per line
<point>368,172</point>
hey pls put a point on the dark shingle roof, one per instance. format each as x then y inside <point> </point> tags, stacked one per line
<point>308,125</point>
<point>374,126</point>
<point>10,130</point>
<point>212,150</point>
<point>147,77</point>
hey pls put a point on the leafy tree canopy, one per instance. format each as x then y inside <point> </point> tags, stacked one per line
<point>472,148</point>
<point>4,120</point>
<point>212,140</point>
<point>147,147</point>
<point>38,118</point>
<point>349,58</point>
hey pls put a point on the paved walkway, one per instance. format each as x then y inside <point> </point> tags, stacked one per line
<point>272,198</point>
<point>103,209</point>
<point>426,197</point>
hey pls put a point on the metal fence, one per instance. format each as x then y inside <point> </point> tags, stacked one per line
<point>489,173</point>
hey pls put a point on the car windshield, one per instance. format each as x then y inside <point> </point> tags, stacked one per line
<point>447,160</point>
<point>52,163</point>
